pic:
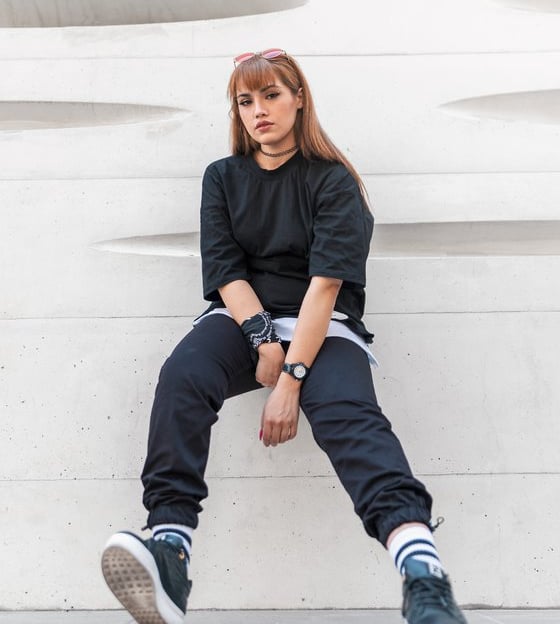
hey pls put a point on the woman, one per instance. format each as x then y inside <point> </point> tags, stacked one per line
<point>285,233</point>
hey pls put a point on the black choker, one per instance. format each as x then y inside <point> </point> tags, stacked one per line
<point>278,154</point>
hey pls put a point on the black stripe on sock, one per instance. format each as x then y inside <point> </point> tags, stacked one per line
<point>412,543</point>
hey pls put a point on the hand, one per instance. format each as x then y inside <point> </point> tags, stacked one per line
<point>269,366</point>
<point>280,414</point>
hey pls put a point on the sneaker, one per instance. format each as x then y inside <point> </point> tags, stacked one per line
<point>428,598</point>
<point>148,577</point>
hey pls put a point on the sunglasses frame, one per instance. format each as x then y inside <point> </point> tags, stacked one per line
<point>269,53</point>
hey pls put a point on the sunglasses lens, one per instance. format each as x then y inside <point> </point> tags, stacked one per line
<point>243,57</point>
<point>272,53</point>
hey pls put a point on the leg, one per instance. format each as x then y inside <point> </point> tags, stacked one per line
<point>339,401</point>
<point>210,364</point>
<point>150,577</point>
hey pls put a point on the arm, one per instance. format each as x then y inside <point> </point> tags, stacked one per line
<point>224,271</point>
<point>240,299</point>
<point>339,210</point>
<point>281,411</point>
<point>242,302</point>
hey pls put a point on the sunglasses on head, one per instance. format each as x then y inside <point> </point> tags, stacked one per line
<point>267,54</point>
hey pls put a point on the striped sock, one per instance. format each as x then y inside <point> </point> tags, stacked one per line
<point>184,532</point>
<point>416,542</point>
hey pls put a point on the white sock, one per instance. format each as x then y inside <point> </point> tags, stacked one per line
<point>416,542</point>
<point>184,532</point>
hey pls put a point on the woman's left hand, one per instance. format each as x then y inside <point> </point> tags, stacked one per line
<point>269,366</point>
<point>280,414</point>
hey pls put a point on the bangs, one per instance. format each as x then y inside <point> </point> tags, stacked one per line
<point>253,75</point>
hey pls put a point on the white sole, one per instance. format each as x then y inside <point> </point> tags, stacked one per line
<point>132,575</point>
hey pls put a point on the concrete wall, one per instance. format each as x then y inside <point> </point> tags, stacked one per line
<point>450,111</point>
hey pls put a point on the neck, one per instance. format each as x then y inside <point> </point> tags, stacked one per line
<point>278,154</point>
<point>264,162</point>
<point>273,159</point>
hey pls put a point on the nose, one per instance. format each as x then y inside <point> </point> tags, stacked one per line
<point>260,108</point>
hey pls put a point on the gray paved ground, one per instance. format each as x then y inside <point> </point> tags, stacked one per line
<point>273,617</point>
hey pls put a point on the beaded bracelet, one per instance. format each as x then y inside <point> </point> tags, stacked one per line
<point>259,329</point>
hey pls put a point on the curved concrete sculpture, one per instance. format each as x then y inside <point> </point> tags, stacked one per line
<point>482,238</point>
<point>541,107</point>
<point>18,116</point>
<point>462,289</point>
<point>180,245</point>
<point>545,6</point>
<point>56,13</point>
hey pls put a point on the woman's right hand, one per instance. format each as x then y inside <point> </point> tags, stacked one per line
<point>269,366</point>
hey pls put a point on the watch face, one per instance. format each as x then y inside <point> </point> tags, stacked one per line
<point>299,371</point>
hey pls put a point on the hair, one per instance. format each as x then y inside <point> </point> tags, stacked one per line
<point>311,139</point>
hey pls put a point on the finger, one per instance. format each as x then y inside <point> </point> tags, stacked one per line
<point>267,435</point>
<point>293,431</point>
<point>263,433</point>
<point>285,434</point>
<point>274,437</point>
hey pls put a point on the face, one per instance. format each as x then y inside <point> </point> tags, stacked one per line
<point>269,114</point>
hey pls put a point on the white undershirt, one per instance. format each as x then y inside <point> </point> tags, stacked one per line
<point>285,325</point>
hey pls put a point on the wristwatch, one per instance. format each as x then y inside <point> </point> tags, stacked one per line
<point>298,370</point>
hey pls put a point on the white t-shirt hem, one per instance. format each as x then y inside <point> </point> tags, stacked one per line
<point>285,325</point>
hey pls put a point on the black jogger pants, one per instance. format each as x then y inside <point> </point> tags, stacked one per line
<point>213,362</point>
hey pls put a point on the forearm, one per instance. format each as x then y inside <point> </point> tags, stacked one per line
<point>313,320</point>
<point>241,300</point>
<point>243,303</point>
<point>280,414</point>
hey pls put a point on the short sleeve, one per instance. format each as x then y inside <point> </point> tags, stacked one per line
<point>223,260</point>
<point>342,230</point>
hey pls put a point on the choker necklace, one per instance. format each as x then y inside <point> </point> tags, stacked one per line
<point>278,154</point>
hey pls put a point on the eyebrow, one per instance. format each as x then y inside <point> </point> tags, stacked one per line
<point>262,90</point>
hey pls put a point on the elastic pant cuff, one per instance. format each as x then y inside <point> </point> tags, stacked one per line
<point>173,514</point>
<point>401,516</point>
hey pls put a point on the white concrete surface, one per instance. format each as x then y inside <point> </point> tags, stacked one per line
<point>104,133</point>
<point>403,117</point>
<point>111,366</point>
<point>365,27</point>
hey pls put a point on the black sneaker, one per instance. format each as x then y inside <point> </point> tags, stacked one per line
<point>428,598</point>
<point>148,577</point>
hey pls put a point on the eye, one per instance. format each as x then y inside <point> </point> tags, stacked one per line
<point>244,102</point>
<point>271,96</point>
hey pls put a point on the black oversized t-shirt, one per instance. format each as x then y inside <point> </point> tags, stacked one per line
<point>279,228</point>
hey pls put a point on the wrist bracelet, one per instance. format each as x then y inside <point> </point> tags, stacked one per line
<point>259,329</point>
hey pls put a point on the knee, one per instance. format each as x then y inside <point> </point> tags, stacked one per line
<point>174,372</point>
<point>180,398</point>
<point>180,372</point>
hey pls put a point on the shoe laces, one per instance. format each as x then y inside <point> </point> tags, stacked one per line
<point>428,592</point>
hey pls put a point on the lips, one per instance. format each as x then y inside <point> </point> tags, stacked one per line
<point>263,124</point>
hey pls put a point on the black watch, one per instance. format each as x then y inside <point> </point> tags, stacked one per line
<point>298,370</point>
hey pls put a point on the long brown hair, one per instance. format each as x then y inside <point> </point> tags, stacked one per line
<point>312,140</point>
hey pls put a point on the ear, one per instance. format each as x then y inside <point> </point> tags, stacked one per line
<point>299,96</point>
